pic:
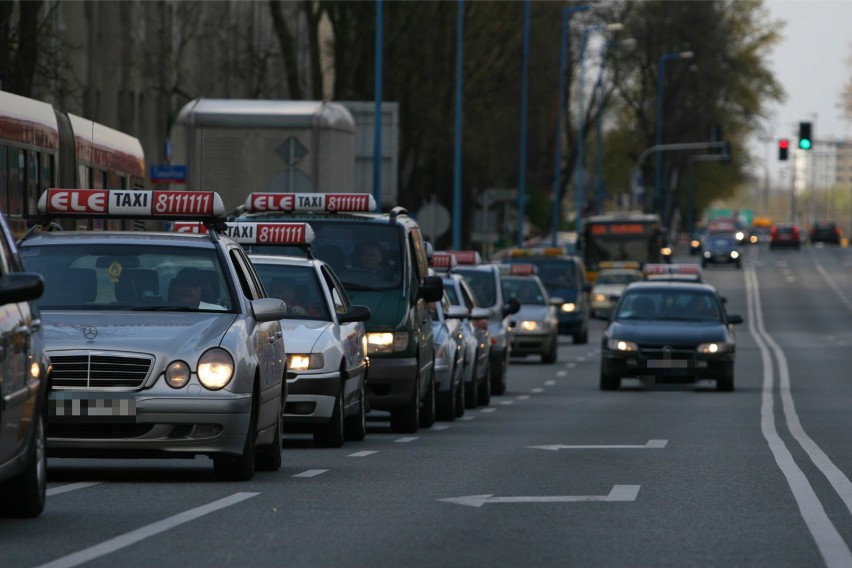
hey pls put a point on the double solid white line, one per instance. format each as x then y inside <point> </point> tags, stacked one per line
<point>834,550</point>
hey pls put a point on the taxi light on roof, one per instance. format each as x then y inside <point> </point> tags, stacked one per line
<point>522,269</point>
<point>325,202</point>
<point>466,256</point>
<point>653,268</point>
<point>130,203</point>
<point>442,260</point>
<point>537,251</point>
<point>257,233</point>
<point>624,264</point>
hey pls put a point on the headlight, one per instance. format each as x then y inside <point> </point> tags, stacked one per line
<point>740,235</point>
<point>707,254</point>
<point>666,251</point>
<point>694,243</point>
<point>568,307</point>
<point>528,325</point>
<point>215,368</point>
<point>734,254</point>
<point>177,374</point>
<point>387,342</point>
<point>621,345</point>
<point>713,348</point>
<point>599,298</point>
<point>305,361</point>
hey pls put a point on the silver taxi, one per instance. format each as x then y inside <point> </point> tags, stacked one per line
<point>162,344</point>
<point>534,329</point>
<point>326,349</point>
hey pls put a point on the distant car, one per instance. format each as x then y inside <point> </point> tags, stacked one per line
<point>534,329</point>
<point>672,332</point>
<point>695,240</point>
<point>25,366</point>
<point>759,234</point>
<point>684,272</point>
<point>607,288</point>
<point>785,235</point>
<point>326,349</point>
<point>161,344</point>
<point>825,232</point>
<point>722,249</point>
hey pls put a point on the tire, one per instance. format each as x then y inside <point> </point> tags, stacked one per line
<point>550,357</point>
<point>726,383</point>
<point>23,496</point>
<point>582,337</point>
<point>406,420</point>
<point>269,457</point>
<point>427,413</point>
<point>471,391</point>
<point>333,434</point>
<point>240,468</point>
<point>609,383</point>
<point>739,265</point>
<point>460,398</point>
<point>356,426</point>
<point>483,397</point>
<point>498,379</point>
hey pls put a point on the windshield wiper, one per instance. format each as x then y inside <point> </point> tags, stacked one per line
<point>164,309</point>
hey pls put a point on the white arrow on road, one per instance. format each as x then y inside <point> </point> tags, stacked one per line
<point>653,444</point>
<point>618,493</point>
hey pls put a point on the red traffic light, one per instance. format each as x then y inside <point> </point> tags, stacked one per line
<point>784,144</point>
<point>783,149</point>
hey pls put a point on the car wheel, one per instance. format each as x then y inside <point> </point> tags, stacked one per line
<point>726,383</point>
<point>445,409</point>
<point>229,467</point>
<point>406,420</point>
<point>24,495</point>
<point>471,394</point>
<point>498,379</point>
<point>427,413</point>
<point>550,357</point>
<point>484,392</point>
<point>333,434</point>
<point>460,397</point>
<point>739,265</point>
<point>269,457</point>
<point>609,383</point>
<point>356,426</point>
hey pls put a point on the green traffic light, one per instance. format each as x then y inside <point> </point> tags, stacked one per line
<point>805,144</point>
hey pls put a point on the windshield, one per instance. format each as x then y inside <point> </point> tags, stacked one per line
<point>112,277</point>
<point>483,284</point>
<point>554,273</point>
<point>298,286</point>
<point>526,291</point>
<point>365,256</point>
<point>669,305</point>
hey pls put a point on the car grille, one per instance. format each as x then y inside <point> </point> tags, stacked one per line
<point>658,352</point>
<point>99,371</point>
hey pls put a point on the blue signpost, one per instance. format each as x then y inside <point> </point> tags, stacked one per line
<point>167,173</point>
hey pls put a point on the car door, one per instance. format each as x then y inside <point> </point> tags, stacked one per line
<point>17,409</point>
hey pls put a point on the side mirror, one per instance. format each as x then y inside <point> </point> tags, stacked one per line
<point>20,287</point>
<point>268,309</point>
<point>479,314</point>
<point>355,313</point>
<point>735,318</point>
<point>456,312</point>
<point>511,307</point>
<point>432,289</point>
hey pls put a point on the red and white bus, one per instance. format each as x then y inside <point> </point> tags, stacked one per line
<point>42,147</point>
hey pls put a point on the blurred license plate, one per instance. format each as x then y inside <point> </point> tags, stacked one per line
<point>109,409</point>
<point>668,363</point>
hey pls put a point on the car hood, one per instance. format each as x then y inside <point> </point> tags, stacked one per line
<point>387,307</point>
<point>667,332</point>
<point>608,289</point>
<point>530,312</point>
<point>179,332</point>
<point>300,336</point>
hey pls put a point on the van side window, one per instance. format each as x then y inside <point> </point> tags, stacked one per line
<point>419,253</point>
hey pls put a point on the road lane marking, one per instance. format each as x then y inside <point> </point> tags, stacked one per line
<point>650,444</point>
<point>549,383</point>
<point>830,543</point>
<point>506,402</point>
<point>571,365</point>
<point>523,397</point>
<point>489,409</point>
<point>140,534</point>
<point>536,390</point>
<point>438,427</point>
<point>466,417</point>
<point>71,487</point>
<point>405,440</point>
<point>618,493</point>
<point>311,473</point>
<point>363,454</point>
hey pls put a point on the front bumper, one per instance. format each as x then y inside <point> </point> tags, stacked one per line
<point>390,384</point>
<point>676,366</point>
<point>531,344</point>
<point>142,424</point>
<point>311,398</point>
<point>571,323</point>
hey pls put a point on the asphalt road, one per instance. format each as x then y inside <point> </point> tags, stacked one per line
<point>553,473</point>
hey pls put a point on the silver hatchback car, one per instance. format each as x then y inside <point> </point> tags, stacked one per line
<point>162,344</point>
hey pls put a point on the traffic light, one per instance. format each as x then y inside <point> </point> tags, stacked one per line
<point>805,141</point>
<point>783,149</point>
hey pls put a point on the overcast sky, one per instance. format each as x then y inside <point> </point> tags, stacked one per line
<point>810,62</point>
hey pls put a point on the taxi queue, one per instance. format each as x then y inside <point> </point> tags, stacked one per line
<point>200,341</point>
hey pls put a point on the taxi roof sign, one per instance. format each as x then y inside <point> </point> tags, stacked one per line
<point>259,202</point>
<point>442,260</point>
<point>519,269</point>
<point>266,233</point>
<point>537,251</point>
<point>130,204</point>
<point>685,269</point>
<point>466,256</point>
<point>613,264</point>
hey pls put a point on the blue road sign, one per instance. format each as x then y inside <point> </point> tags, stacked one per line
<point>168,173</point>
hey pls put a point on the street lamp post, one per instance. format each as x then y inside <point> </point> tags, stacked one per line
<point>557,162</point>
<point>581,118</point>
<point>522,174</point>
<point>660,93</point>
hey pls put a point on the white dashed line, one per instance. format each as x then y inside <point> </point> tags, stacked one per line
<point>438,427</point>
<point>71,487</point>
<point>311,473</point>
<point>523,397</point>
<point>489,409</point>
<point>571,365</point>
<point>362,454</point>
<point>537,390</point>
<point>549,383</point>
<point>467,417</point>
<point>507,402</point>
<point>405,440</point>
<point>562,373</point>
